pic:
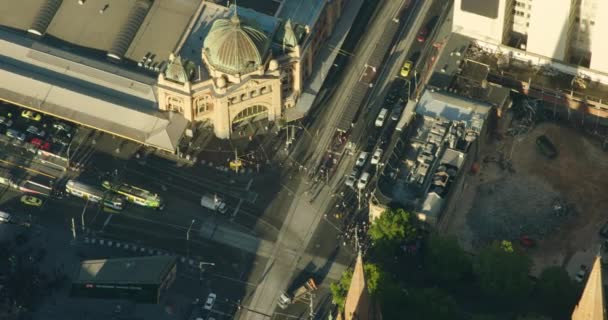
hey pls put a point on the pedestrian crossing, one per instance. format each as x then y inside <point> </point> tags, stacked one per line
<point>138,249</point>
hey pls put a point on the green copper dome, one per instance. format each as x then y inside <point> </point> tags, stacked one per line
<point>234,47</point>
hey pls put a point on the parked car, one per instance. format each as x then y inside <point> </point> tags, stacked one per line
<point>361,159</point>
<point>6,121</point>
<point>406,68</point>
<point>5,217</point>
<point>60,126</point>
<point>31,201</point>
<point>29,114</point>
<point>381,117</point>
<point>59,140</point>
<point>377,156</point>
<point>363,180</point>
<point>15,134</point>
<point>210,301</point>
<point>396,113</point>
<point>546,147</point>
<point>351,178</point>
<point>35,131</point>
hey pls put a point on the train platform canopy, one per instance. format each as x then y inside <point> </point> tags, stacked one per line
<point>119,28</point>
<point>136,270</point>
<point>89,92</point>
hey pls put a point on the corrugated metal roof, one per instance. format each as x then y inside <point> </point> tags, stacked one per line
<point>86,95</point>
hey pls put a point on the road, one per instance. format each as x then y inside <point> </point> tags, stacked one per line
<point>276,232</point>
<point>306,228</point>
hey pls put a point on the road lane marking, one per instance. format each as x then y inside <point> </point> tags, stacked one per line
<point>236,210</point>
<point>107,221</point>
<point>249,184</point>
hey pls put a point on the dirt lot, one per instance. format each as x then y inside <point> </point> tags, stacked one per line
<point>499,204</point>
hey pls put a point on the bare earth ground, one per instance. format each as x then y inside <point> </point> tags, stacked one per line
<point>496,204</point>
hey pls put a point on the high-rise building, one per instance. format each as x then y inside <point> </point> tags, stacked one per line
<point>566,30</point>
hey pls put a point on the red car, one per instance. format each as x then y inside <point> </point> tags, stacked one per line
<point>42,145</point>
<point>422,34</point>
<point>37,142</point>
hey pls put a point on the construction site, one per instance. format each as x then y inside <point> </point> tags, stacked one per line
<point>548,202</point>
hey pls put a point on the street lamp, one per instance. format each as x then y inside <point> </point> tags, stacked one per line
<point>188,238</point>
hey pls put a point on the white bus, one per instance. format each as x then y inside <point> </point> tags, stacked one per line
<point>95,194</point>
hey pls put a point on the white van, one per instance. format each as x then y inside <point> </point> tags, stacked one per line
<point>381,117</point>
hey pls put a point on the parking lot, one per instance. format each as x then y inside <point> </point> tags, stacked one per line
<point>553,208</point>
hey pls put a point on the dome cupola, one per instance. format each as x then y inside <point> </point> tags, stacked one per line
<point>234,47</point>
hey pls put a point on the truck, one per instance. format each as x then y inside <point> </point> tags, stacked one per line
<point>285,299</point>
<point>213,202</point>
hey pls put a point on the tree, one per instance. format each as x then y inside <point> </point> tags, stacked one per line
<point>432,303</point>
<point>374,278</point>
<point>393,227</point>
<point>556,293</point>
<point>446,260</point>
<point>393,301</point>
<point>340,289</point>
<point>503,274</point>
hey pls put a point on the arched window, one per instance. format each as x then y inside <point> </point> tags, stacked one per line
<point>250,112</point>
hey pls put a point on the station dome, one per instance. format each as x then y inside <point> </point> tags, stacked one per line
<point>235,47</point>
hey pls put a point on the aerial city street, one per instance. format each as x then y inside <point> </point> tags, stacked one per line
<point>303,159</point>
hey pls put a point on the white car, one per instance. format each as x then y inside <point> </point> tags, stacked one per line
<point>377,156</point>
<point>381,116</point>
<point>361,159</point>
<point>363,180</point>
<point>210,301</point>
<point>351,178</point>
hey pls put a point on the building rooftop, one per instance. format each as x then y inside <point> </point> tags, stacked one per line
<point>125,28</point>
<point>136,270</point>
<point>88,92</point>
<point>451,107</point>
<point>210,12</point>
<point>303,12</point>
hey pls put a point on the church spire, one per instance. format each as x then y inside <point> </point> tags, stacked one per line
<point>591,304</point>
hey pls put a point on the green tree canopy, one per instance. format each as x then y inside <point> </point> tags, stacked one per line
<point>340,289</point>
<point>432,303</point>
<point>446,260</point>
<point>374,277</point>
<point>503,274</point>
<point>393,227</point>
<point>556,293</point>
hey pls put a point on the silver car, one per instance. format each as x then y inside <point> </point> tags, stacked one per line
<point>361,159</point>
<point>210,301</point>
<point>351,178</point>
